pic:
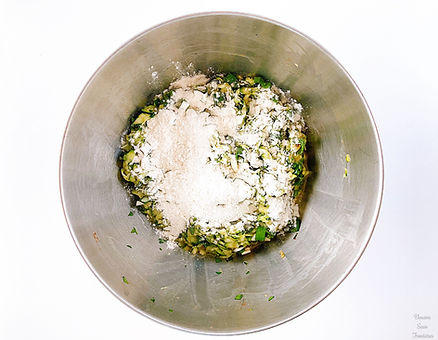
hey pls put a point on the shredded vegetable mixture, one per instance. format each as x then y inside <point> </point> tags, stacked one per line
<point>256,144</point>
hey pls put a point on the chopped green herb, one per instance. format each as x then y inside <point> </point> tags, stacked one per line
<point>219,98</point>
<point>161,248</point>
<point>218,273</point>
<point>125,280</point>
<point>239,151</point>
<point>297,226</point>
<point>271,297</point>
<point>230,78</point>
<point>245,263</point>
<point>260,233</point>
<point>170,310</point>
<point>160,240</point>
<point>238,297</point>
<point>129,246</point>
<point>302,142</point>
<point>263,83</point>
<point>266,85</point>
<point>247,272</point>
<point>345,172</point>
<point>131,213</point>
<point>134,231</point>
<point>218,260</point>
<point>152,299</point>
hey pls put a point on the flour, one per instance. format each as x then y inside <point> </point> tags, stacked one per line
<point>177,141</point>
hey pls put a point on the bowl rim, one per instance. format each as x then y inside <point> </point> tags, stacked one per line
<point>375,214</point>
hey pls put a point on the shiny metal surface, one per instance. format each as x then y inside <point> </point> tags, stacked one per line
<point>338,217</point>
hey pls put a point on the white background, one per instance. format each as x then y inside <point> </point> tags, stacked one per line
<point>49,49</point>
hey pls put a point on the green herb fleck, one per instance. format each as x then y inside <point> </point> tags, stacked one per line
<point>345,172</point>
<point>260,233</point>
<point>170,310</point>
<point>152,299</point>
<point>160,240</point>
<point>302,143</point>
<point>230,78</point>
<point>218,273</point>
<point>263,83</point>
<point>161,248</point>
<point>125,280</point>
<point>134,231</point>
<point>129,246</point>
<point>297,226</point>
<point>238,297</point>
<point>257,80</point>
<point>245,263</point>
<point>348,158</point>
<point>218,260</point>
<point>247,272</point>
<point>298,223</point>
<point>239,151</point>
<point>219,98</point>
<point>271,297</point>
<point>131,213</point>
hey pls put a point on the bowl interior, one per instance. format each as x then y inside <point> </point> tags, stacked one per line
<point>338,216</point>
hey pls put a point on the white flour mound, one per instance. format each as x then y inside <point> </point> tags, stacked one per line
<point>178,145</point>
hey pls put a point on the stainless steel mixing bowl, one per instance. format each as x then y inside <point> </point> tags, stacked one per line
<point>338,217</point>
